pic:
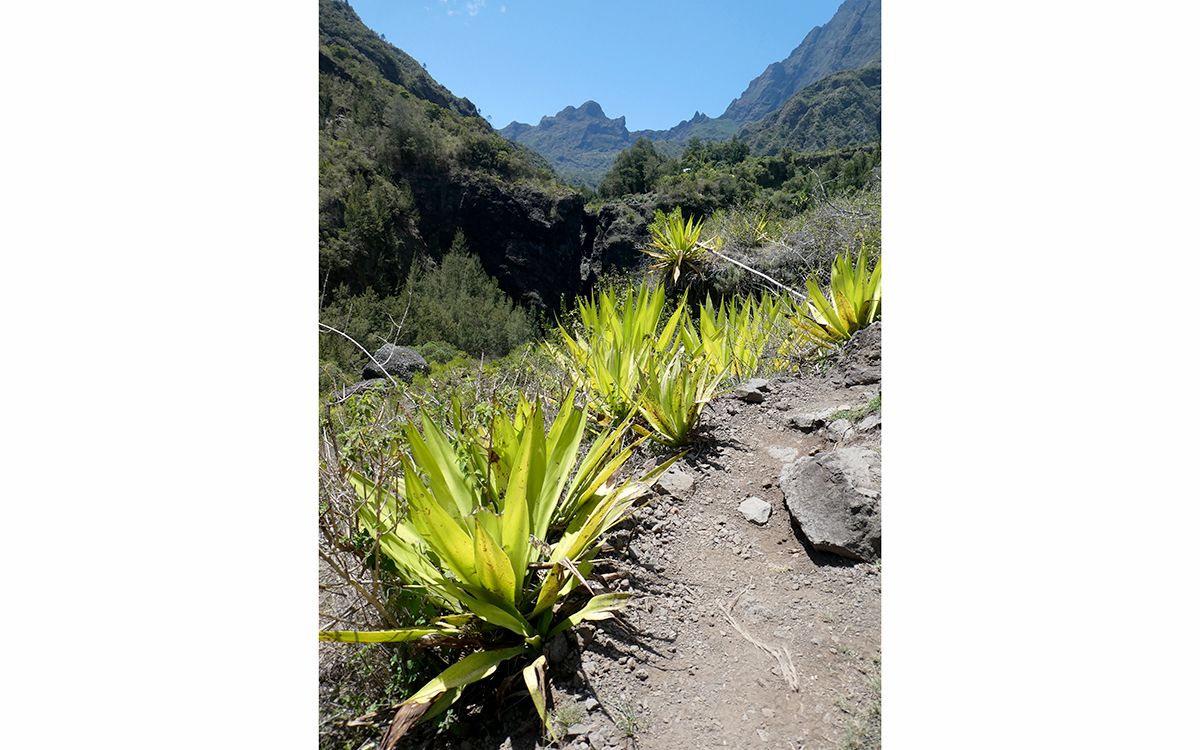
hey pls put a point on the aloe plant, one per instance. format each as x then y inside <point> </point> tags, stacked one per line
<point>617,335</point>
<point>673,395</point>
<point>854,301</point>
<point>733,337</point>
<point>675,245</point>
<point>496,534</point>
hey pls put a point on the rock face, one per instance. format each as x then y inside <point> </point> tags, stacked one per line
<point>835,499</point>
<point>858,362</point>
<point>400,362</point>
<point>851,39</point>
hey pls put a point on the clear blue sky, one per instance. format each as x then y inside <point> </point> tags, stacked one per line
<point>654,61</point>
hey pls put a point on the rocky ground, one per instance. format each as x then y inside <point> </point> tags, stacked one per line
<point>745,631</point>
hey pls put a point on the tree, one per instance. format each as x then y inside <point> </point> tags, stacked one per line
<point>636,170</point>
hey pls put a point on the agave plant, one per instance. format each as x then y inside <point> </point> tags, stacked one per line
<point>853,303</point>
<point>496,535</point>
<point>675,245</point>
<point>616,337</point>
<point>673,394</point>
<point>734,336</point>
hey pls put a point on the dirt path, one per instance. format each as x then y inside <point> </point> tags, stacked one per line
<point>690,674</point>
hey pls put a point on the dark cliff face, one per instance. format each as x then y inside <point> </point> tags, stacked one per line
<point>532,242</point>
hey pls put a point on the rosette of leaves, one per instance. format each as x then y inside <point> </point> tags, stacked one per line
<point>734,336</point>
<point>853,303</point>
<point>675,246</point>
<point>498,531</point>
<point>617,335</point>
<point>673,394</point>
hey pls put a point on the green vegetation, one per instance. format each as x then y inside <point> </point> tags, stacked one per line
<point>395,147</point>
<point>853,415</point>
<point>607,352</point>
<point>734,338</point>
<point>454,306</point>
<point>673,393</point>
<point>495,529</point>
<point>635,170</point>
<point>854,301</point>
<point>841,110</point>
<point>675,246</point>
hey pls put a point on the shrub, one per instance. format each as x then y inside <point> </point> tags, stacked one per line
<point>497,547</point>
<point>673,393</point>
<point>853,303</point>
<point>457,302</point>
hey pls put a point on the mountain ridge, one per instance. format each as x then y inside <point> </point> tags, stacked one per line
<point>848,41</point>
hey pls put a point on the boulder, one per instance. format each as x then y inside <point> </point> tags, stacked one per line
<point>400,362</point>
<point>836,429</point>
<point>869,422</point>
<point>835,499</point>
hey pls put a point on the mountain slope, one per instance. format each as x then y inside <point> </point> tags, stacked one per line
<point>840,110</point>
<point>405,164</point>
<point>582,143</point>
<point>850,40</point>
<point>582,139</point>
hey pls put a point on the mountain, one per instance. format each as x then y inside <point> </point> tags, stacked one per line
<point>851,39</point>
<point>582,143</point>
<point>840,110</point>
<point>405,165</point>
<point>582,138</point>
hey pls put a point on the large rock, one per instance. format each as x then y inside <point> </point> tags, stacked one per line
<point>835,499</point>
<point>400,362</point>
<point>858,363</point>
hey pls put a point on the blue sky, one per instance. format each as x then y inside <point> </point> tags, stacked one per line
<point>654,61</point>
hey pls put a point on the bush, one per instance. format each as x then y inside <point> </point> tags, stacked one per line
<point>453,307</point>
<point>458,303</point>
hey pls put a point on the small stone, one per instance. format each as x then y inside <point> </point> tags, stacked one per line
<point>675,482</point>
<point>756,510</point>
<point>753,391</point>
<point>641,674</point>
<point>590,704</point>
<point>837,428</point>
<point>869,422</point>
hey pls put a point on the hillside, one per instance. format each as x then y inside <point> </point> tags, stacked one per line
<point>582,143</point>
<point>405,165</point>
<point>582,139</point>
<point>841,110</point>
<point>850,40</point>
